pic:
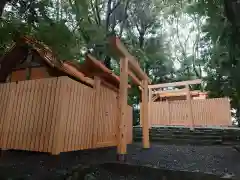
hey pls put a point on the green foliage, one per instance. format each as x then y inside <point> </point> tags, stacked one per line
<point>222,53</point>
<point>58,37</point>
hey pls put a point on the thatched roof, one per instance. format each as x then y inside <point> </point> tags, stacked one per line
<point>83,72</point>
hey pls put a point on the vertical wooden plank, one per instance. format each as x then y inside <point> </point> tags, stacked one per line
<point>34,116</point>
<point>123,93</point>
<point>129,125</point>
<point>229,121</point>
<point>92,121</point>
<point>150,107</point>
<point>2,109</point>
<point>7,116</point>
<point>57,113</point>
<point>140,113</point>
<point>37,119</point>
<point>41,122</point>
<point>145,127</point>
<point>5,121</point>
<point>84,132</point>
<point>84,109</point>
<point>78,127</point>
<point>64,116</point>
<point>5,88</point>
<point>14,119</point>
<point>24,106</point>
<point>97,85</point>
<point>71,119</point>
<point>30,107</point>
<point>42,147</point>
<point>50,123</point>
<point>190,113</point>
<point>168,113</point>
<point>87,133</point>
<point>100,118</point>
<point>8,134</point>
<point>78,117</point>
<point>69,122</point>
<point>74,118</point>
<point>68,115</point>
<point>53,139</point>
<point>21,112</point>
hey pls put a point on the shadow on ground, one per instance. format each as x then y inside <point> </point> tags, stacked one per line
<point>116,171</point>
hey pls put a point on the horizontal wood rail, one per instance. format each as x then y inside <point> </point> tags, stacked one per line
<point>174,84</point>
<point>135,79</point>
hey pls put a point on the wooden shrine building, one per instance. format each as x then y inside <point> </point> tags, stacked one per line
<point>50,105</point>
<point>170,105</point>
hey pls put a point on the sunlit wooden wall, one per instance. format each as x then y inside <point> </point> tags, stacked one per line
<point>28,114</point>
<point>208,112</point>
<point>58,115</point>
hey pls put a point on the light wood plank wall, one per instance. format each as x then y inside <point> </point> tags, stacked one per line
<point>58,115</point>
<point>208,112</point>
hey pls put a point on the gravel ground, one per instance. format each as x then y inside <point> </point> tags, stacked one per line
<point>208,159</point>
<point>219,160</point>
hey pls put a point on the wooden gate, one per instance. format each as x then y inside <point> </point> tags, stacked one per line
<point>107,108</point>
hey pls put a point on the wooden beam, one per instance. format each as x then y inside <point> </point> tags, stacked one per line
<point>155,97</point>
<point>92,60</point>
<point>169,91</point>
<point>133,64</point>
<point>173,84</point>
<point>135,79</point>
<point>178,92</point>
<point>70,70</point>
<point>123,93</point>
<point>145,120</point>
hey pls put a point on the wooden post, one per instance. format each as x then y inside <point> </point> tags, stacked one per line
<point>149,107</point>
<point>189,106</point>
<point>123,93</point>
<point>145,121</point>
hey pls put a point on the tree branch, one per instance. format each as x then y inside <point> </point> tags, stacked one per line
<point>180,43</point>
<point>94,12</point>
<point>116,5</point>
<point>108,14</point>
<point>125,18</point>
<point>97,11</point>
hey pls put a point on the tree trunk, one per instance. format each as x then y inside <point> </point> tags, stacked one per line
<point>141,39</point>
<point>2,5</point>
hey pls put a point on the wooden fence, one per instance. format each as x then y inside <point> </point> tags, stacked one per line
<point>208,112</point>
<point>58,115</point>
